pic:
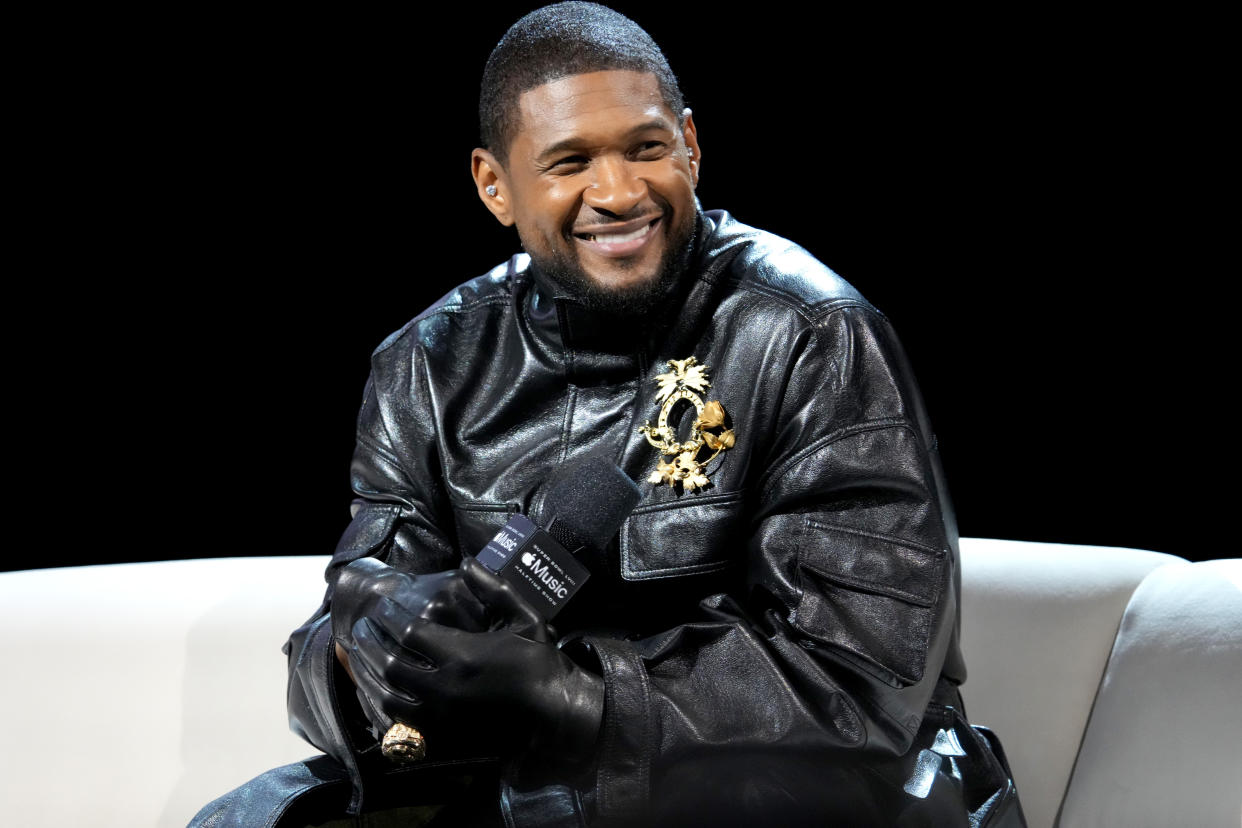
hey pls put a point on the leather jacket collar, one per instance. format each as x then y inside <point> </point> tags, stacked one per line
<point>608,342</point>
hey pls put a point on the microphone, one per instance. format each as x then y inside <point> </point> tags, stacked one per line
<point>586,504</point>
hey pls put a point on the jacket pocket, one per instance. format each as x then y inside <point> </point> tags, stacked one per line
<point>694,535</point>
<point>871,597</point>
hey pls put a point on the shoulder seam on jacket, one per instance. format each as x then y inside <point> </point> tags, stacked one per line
<point>828,439</point>
<point>812,313</point>
<point>447,308</point>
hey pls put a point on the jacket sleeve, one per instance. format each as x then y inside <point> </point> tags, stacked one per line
<point>849,608</point>
<point>397,519</point>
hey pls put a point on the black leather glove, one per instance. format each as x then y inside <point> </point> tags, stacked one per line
<point>366,584</point>
<point>442,597</point>
<point>503,690</point>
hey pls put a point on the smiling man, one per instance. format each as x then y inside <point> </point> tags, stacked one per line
<point>771,636</point>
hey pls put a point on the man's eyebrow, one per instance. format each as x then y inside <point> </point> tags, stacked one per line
<point>575,142</point>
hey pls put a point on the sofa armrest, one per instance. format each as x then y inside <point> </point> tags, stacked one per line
<point>1038,622</point>
<point>1164,743</point>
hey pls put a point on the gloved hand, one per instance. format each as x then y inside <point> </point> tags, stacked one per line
<point>366,584</point>
<point>506,689</point>
<point>442,597</point>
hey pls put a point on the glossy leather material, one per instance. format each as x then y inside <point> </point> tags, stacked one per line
<point>800,611</point>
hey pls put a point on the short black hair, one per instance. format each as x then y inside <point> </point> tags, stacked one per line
<point>556,42</point>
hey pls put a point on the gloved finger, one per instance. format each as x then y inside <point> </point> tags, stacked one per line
<point>376,678</point>
<point>379,720</point>
<point>375,641</point>
<point>445,599</point>
<point>503,601</point>
<point>442,597</point>
<point>360,577</point>
<point>422,649</point>
<point>397,622</point>
<point>399,667</point>
<point>383,706</point>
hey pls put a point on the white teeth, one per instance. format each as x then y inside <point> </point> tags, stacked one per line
<point>618,238</point>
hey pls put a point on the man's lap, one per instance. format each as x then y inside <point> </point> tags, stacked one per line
<point>315,793</point>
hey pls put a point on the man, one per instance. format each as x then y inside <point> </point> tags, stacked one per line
<point>772,636</point>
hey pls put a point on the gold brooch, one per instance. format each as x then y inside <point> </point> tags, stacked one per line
<point>682,464</point>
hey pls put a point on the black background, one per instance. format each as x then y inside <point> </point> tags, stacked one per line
<point>229,213</point>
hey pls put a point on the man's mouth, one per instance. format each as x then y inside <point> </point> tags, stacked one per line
<point>622,241</point>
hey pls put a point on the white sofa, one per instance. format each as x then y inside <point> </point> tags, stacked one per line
<point>134,693</point>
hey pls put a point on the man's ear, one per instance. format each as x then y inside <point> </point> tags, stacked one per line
<point>491,184</point>
<point>691,136</point>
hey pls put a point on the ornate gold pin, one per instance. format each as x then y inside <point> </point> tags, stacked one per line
<point>683,464</point>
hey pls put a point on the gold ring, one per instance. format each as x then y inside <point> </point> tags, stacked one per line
<point>403,744</point>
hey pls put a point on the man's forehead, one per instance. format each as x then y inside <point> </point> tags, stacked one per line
<point>591,104</point>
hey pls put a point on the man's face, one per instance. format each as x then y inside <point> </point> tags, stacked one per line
<point>600,183</point>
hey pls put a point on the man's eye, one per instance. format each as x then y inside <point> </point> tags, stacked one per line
<point>569,163</point>
<point>650,150</point>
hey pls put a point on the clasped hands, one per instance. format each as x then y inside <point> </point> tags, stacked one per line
<point>463,658</point>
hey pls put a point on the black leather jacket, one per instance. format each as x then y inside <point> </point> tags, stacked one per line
<point>802,610</point>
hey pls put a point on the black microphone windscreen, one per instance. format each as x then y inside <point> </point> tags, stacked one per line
<point>587,502</point>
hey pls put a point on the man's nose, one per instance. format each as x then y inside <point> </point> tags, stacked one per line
<point>614,187</point>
